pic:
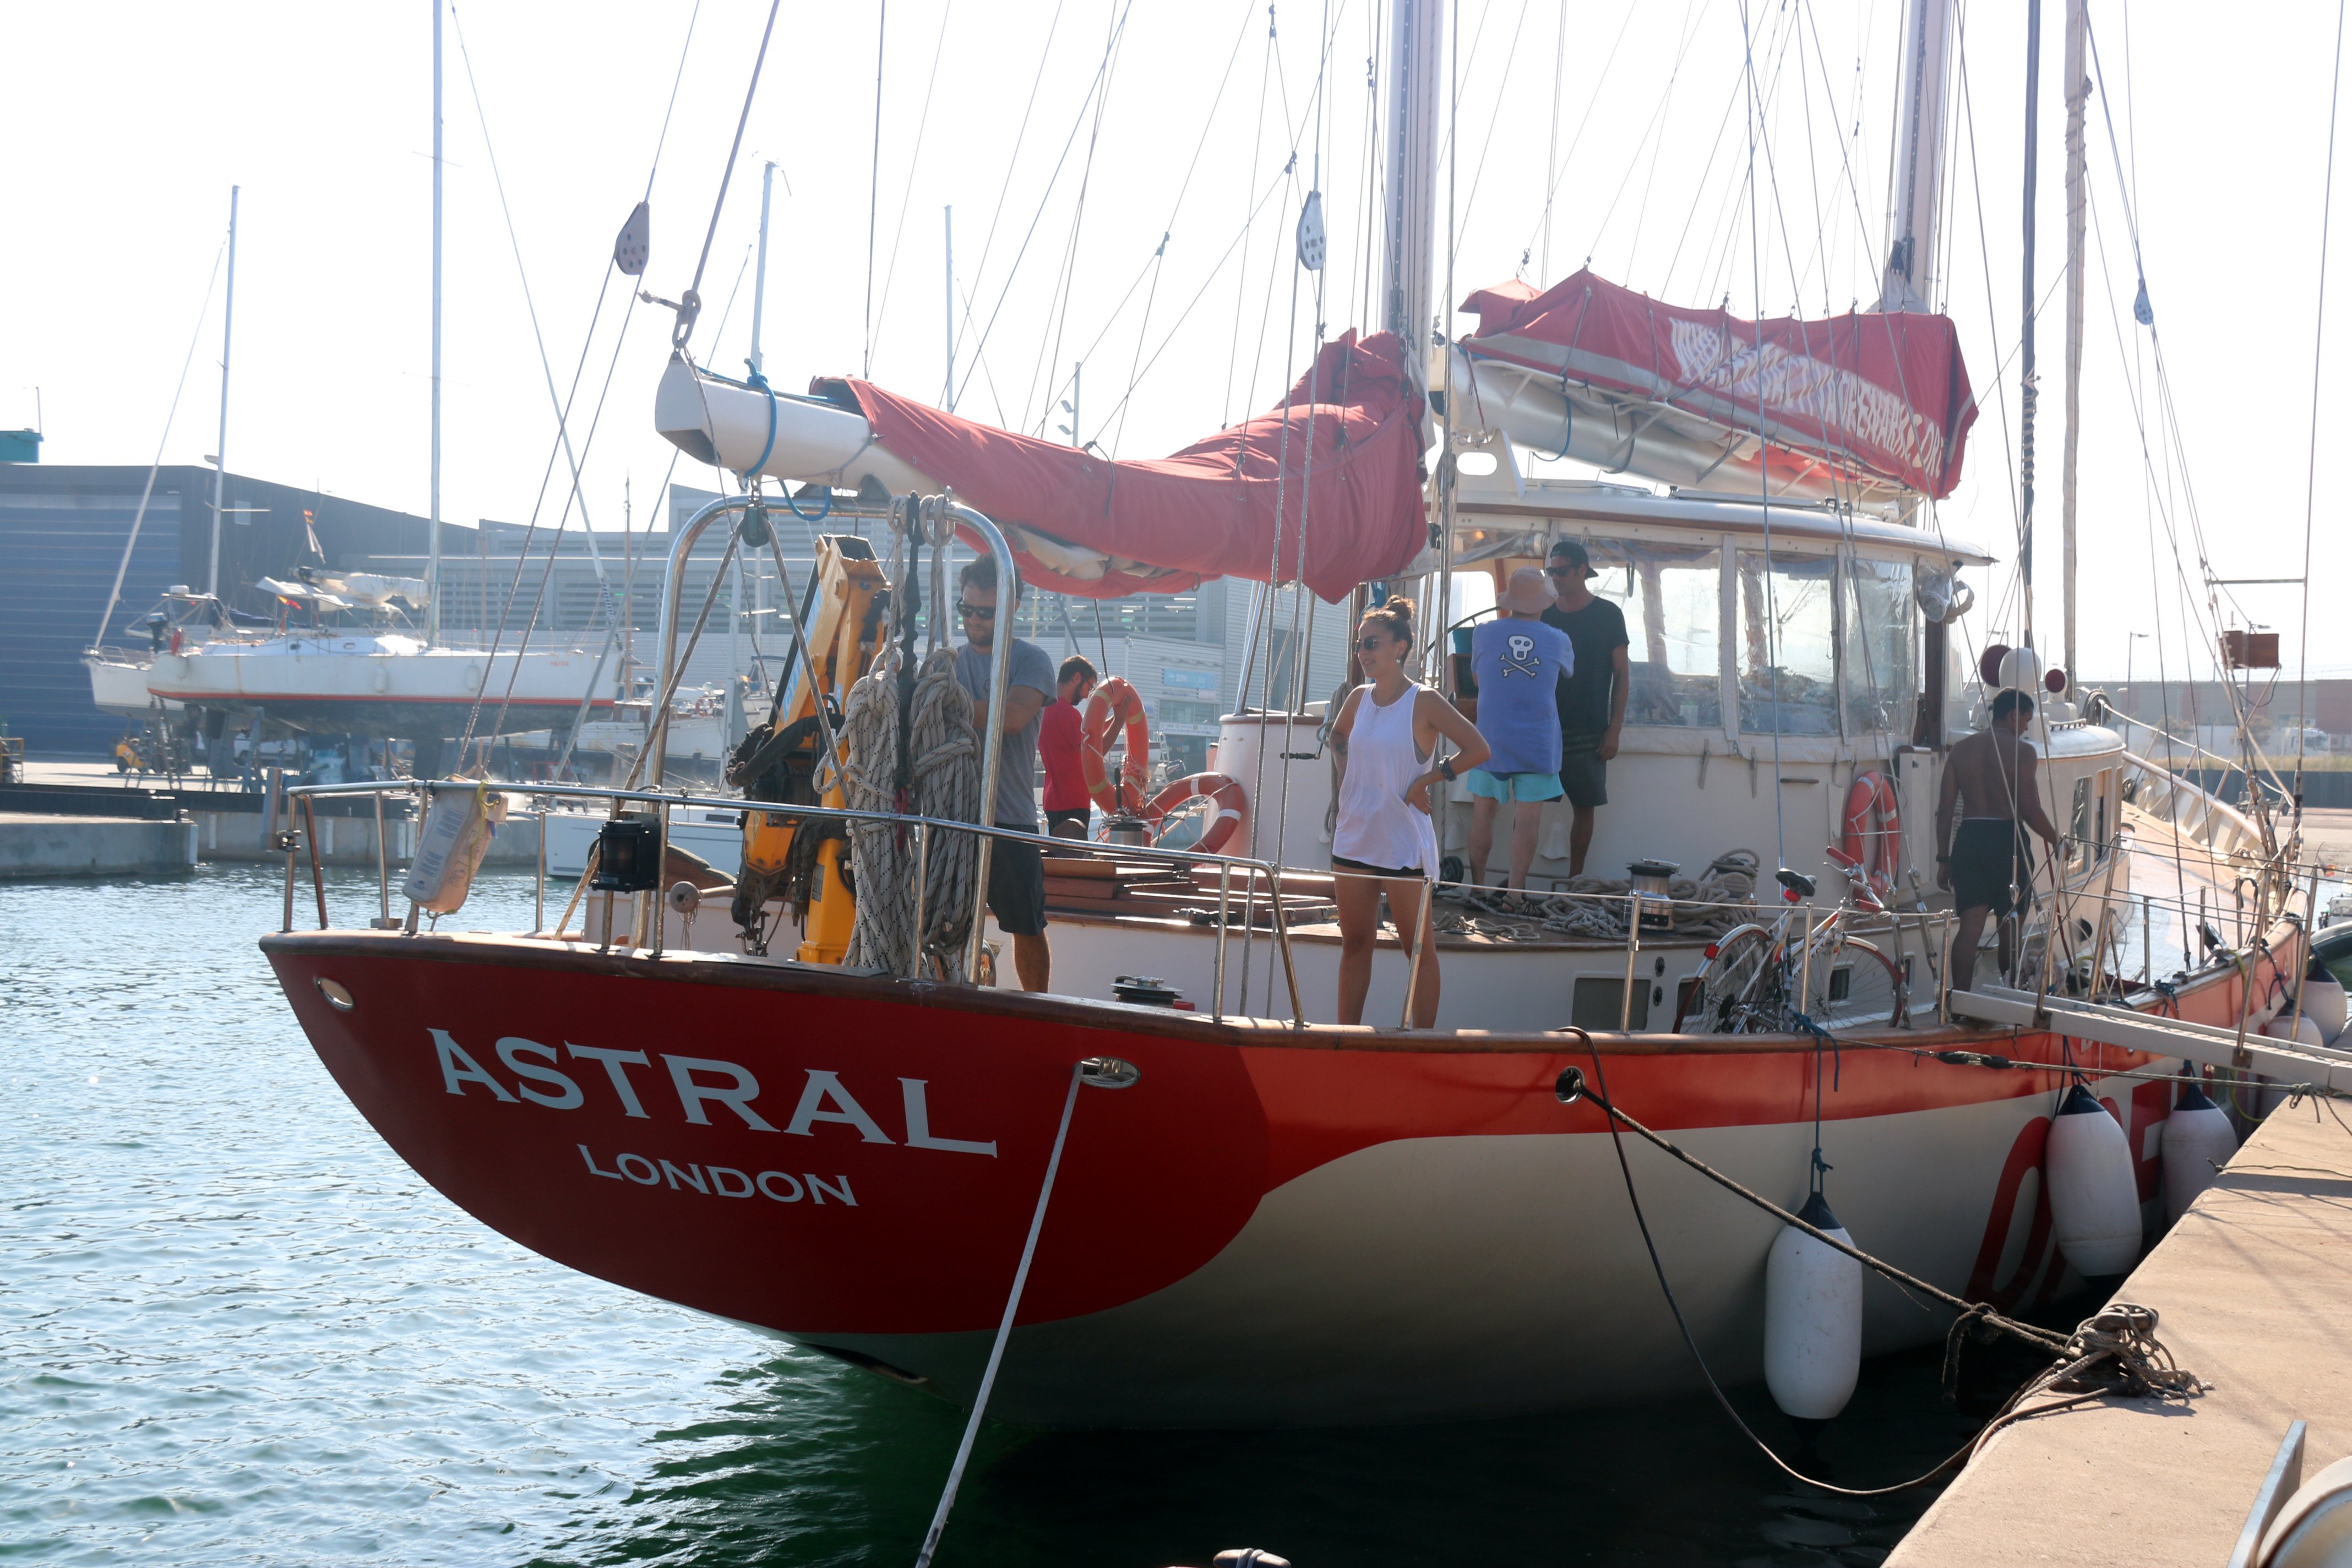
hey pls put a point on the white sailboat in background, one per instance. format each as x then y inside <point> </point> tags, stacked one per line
<point>362,670</point>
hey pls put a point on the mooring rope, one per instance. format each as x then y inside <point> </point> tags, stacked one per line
<point>2113,1351</point>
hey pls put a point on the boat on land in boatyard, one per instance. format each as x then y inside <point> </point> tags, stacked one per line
<point>1235,1211</point>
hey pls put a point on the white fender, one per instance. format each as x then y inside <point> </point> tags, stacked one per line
<point>2323,1002</point>
<point>2305,1031</point>
<point>1813,1319</point>
<point>2197,1137</point>
<point>2314,1529</point>
<point>2094,1189</point>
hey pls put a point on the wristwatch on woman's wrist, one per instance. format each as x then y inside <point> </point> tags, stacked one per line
<point>1445,766</point>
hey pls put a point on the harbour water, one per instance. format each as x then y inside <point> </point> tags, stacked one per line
<point>235,1327</point>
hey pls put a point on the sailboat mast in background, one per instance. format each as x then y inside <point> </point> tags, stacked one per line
<point>2028,382</point>
<point>2078,92</point>
<point>433,526</point>
<point>220,446</point>
<point>1909,280</point>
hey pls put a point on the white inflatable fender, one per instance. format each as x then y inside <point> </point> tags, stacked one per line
<point>2093,1188</point>
<point>1812,1318</point>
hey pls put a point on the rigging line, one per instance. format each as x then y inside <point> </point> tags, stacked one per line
<point>1721,278</point>
<point>874,180</point>
<point>1555,171</point>
<point>1654,127</point>
<point>1846,163</point>
<point>114,595</point>
<point>1763,469</point>
<point>922,123</point>
<point>1367,252</point>
<point>1066,283</point>
<point>694,290</point>
<point>1502,90</point>
<point>1159,256</point>
<point>562,406</point>
<point>1715,150</point>
<point>1013,273</point>
<point>2311,470</point>
<point>1730,213</point>
<point>1551,146</point>
<point>1241,278</point>
<point>1984,253</point>
<point>1012,163</point>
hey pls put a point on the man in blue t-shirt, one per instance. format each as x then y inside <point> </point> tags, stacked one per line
<point>1518,663</point>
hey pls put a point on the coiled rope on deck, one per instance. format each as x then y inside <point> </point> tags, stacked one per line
<point>943,784</point>
<point>1722,897</point>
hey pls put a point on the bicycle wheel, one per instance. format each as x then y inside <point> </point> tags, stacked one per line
<point>1853,981</point>
<point>1723,996</point>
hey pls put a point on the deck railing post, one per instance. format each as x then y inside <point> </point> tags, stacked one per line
<point>1282,945</point>
<point>1632,952</point>
<point>382,870</point>
<point>992,756</point>
<point>1225,911</point>
<point>922,888</point>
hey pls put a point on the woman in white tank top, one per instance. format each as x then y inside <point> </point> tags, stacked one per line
<point>1385,841</point>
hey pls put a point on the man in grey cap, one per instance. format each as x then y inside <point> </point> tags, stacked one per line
<point>1592,700</point>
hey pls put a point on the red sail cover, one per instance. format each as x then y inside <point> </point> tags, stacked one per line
<point>1883,390</point>
<point>1354,472</point>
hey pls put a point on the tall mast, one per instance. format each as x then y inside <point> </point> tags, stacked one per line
<point>2078,91</point>
<point>760,278</point>
<point>1908,283</point>
<point>1409,234</point>
<point>220,446</point>
<point>2028,383</point>
<point>433,526</point>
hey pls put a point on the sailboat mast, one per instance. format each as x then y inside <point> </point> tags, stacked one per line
<point>1416,48</point>
<point>433,526</point>
<point>2028,385</point>
<point>1908,282</point>
<point>2078,92</point>
<point>220,446</point>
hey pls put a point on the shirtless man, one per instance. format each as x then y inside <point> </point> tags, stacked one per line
<point>1995,775</point>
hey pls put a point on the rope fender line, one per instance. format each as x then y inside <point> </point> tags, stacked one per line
<point>2115,1350</point>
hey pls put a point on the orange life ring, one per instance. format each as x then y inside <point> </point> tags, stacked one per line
<point>1879,848</point>
<point>1227,795</point>
<point>1116,704</point>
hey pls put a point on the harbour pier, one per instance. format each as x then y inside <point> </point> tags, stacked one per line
<point>2253,1288</point>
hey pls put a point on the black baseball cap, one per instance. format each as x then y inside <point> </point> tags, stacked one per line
<point>1573,551</point>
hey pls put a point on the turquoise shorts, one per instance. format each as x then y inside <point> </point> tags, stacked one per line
<point>1513,786</point>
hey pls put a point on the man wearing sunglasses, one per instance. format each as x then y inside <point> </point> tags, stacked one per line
<point>1592,700</point>
<point>1016,870</point>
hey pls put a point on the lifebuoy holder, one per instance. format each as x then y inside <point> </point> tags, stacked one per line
<point>1231,801</point>
<point>1116,704</point>
<point>1877,849</point>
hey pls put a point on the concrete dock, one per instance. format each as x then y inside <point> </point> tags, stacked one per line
<point>38,844</point>
<point>2254,1291</point>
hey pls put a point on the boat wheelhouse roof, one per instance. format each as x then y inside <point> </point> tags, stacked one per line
<point>1497,510</point>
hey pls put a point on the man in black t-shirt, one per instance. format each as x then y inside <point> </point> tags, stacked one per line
<point>1591,701</point>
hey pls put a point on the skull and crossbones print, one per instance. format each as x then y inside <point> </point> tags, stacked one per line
<point>1520,656</point>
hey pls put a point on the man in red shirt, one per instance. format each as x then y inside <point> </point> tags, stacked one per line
<point>1067,809</point>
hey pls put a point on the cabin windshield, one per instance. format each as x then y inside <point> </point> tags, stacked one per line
<point>1878,658</point>
<point>1788,659</point>
<point>1672,596</point>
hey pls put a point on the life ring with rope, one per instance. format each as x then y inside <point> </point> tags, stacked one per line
<point>1229,800</point>
<point>1878,849</point>
<point>1116,704</point>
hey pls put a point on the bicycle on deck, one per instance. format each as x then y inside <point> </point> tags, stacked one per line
<point>1775,976</point>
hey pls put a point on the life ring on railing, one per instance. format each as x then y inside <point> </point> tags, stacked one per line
<point>1116,704</point>
<point>1226,795</point>
<point>1877,848</point>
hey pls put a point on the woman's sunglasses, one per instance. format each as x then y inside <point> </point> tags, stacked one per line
<point>1371,644</point>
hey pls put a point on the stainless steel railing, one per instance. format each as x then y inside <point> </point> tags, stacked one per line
<point>664,801</point>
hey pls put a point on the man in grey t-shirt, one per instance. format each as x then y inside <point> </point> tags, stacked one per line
<point>1016,870</point>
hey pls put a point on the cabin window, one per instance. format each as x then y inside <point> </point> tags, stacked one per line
<point>2081,832</point>
<point>1672,596</point>
<point>1787,660</point>
<point>1880,686</point>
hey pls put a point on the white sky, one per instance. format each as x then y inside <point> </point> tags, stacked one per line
<point>131,124</point>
